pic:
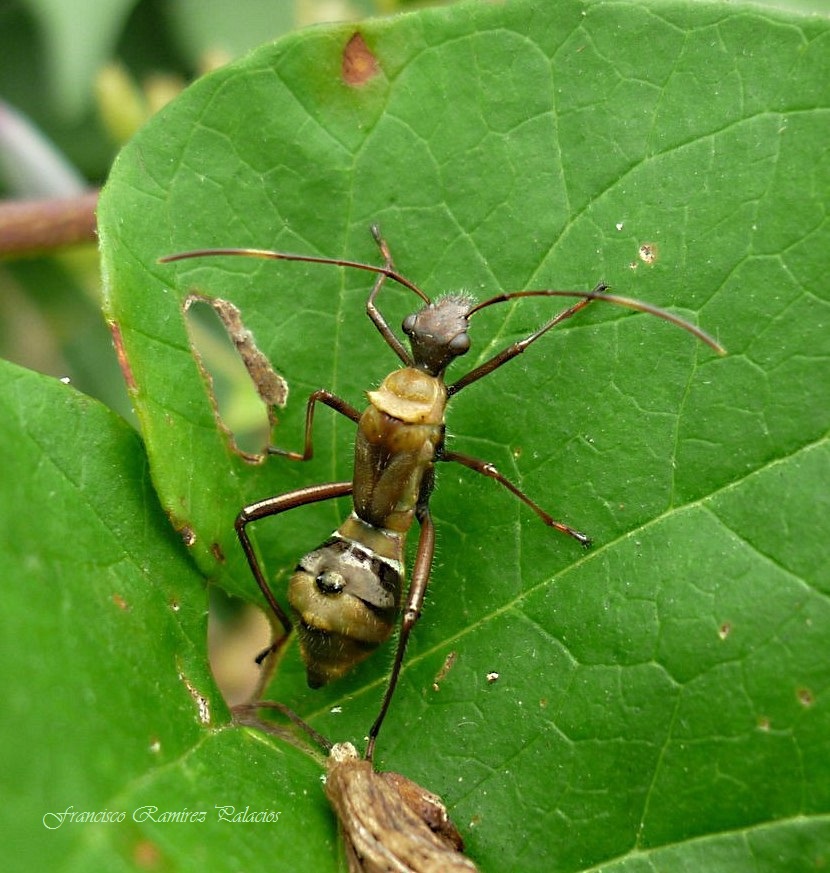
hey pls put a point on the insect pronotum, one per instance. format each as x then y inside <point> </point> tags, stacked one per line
<point>346,594</point>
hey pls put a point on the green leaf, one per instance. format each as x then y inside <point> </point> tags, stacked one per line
<point>109,705</point>
<point>661,699</point>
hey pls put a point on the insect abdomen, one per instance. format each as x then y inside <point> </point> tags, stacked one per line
<point>346,599</point>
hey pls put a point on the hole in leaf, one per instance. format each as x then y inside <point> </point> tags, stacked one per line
<point>243,386</point>
<point>237,633</point>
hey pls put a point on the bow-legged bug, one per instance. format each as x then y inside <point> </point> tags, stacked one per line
<point>346,594</point>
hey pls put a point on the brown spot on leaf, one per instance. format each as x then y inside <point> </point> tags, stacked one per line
<point>725,630</point>
<point>216,551</point>
<point>445,668</point>
<point>805,696</point>
<point>359,64</point>
<point>121,354</point>
<point>202,702</point>
<point>119,601</point>
<point>648,253</point>
<point>146,855</point>
<point>188,536</point>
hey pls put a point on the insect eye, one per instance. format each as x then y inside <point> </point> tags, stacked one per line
<point>408,326</point>
<point>460,344</point>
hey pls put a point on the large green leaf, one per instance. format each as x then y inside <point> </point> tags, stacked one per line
<point>108,701</point>
<point>666,691</point>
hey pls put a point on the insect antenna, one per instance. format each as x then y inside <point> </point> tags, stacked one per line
<point>599,294</point>
<point>386,271</point>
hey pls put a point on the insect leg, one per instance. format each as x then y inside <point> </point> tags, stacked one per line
<point>374,313</point>
<point>518,347</point>
<point>331,400</point>
<point>246,713</point>
<point>488,469</point>
<point>414,602</point>
<point>274,506</point>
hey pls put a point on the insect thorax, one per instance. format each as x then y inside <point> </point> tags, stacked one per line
<point>397,440</point>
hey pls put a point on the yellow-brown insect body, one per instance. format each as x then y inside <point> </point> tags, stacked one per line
<point>397,439</point>
<point>347,592</point>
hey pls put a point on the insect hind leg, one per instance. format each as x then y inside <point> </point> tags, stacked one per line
<point>485,468</point>
<point>411,613</point>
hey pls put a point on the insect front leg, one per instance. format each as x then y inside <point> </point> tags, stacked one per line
<point>489,470</point>
<point>412,611</point>
<point>274,506</point>
<point>333,402</point>
<point>507,354</point>
<point>374,313</point>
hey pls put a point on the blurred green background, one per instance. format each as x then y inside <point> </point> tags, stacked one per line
<point>77,78</point>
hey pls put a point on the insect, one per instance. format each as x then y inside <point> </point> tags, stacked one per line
<point>388,822</point>
<point>346,593</point>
